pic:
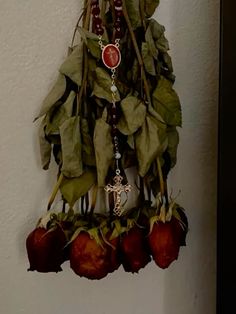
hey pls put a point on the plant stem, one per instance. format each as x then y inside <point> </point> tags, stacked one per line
<point>141,11</point>
<point>162,185</point>
<point>103,9</point>
<point>136,48</point>
<point>113,17</point>
<point>55,190</point>
<point>86,24</point>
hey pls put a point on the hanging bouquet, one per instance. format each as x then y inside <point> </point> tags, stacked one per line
<point>112,107</point>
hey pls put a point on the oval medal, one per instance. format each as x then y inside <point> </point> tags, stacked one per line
<point>111,56</point>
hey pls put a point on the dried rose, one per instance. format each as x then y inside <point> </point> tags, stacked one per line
<point>45,249</point>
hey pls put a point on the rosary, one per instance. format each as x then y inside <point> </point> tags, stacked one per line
<point>111,58</point>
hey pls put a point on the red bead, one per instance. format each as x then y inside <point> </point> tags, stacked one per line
<point>118,33</point>
<point>95,2</point>
<point>119,13</point>
<point>117,24</point>
<point>96,10</point>
<point>99,31</point>
<point>118,3</point>
<point>97,21</point>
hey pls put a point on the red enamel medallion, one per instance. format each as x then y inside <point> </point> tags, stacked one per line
<point>111,56</point>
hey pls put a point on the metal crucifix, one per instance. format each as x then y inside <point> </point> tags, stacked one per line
<point>118,188</point>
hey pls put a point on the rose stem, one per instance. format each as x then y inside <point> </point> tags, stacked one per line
<point>55,190</point>
<point>141,11</point>
<point>136,48</point>
<point>86,23</point>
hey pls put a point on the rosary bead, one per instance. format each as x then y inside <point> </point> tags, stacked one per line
<point>97,21</point>
<point>99,31</point>
<point>96,10</point>
<point>117,155</point>
<point>114,132</point>
<point>119,13</point>
<point>113,88</point>
<point>95,2</point>
<point>118,3</point>
<point>118,33</point>
<point>113,111</point>
<point>117,24</point>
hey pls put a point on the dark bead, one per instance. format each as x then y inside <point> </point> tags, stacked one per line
<point>114,132</point>
<point>96,10</point>
<point>95,2</point>
<point>117,24</point>
<point>113,110</point>
<point>119,13</point>
<point>117,34</point>
<point>99,31</point>
<point>118,3</point>
<point>97,21</point>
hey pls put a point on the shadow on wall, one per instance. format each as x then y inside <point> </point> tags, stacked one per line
<point>190,283</point>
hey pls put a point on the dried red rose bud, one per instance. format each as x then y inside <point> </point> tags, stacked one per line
<point>45,249</point>
<point>88,258</point>
<point>134,250</point>
<point>164,242</point>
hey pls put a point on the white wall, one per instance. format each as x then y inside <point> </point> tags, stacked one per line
<point>34,36</point>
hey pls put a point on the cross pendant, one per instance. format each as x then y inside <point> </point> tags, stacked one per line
<point>118,188</point>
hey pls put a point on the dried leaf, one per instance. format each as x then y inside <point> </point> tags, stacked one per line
<point>57,116</point>
<point>133,115</point>
<point>150,42</point>
<point>72,189</point>
<point>150,141</point>
<point>73,65</point>
<point>72,165</point>
<point>54,95</point>
<point>102,86</point>
<point>103,149</point>
<point>150,7</point>
<point>133,12</point>
<point>88,154</point>
<point>148,60</point>
<point>173,141</point>
<point>91,41</point>
<point>45,146</point>
<point>166,102</point>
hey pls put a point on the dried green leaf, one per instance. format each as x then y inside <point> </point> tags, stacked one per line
<point>103,149</point>
<point>72,165</point>
<point>54,95</point>
<point>166,102</point>
<point>173,141</point>
<point>168,62</point>
<point>148,60</point>
<point>135,70</point>
<point>72,189</point>
<point>150,42</point>
<point>133,12</point>
<point>130,141</point>
<point>57,116</point>
<point>91,41</point>
<point>102,85</point>
<point>88,154</point>
<point>73,65</point>
<point>150,142</point>
<point>45,146</point>
<point>156,29</point>
<point>150,7</point>
<point>133,115</point>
